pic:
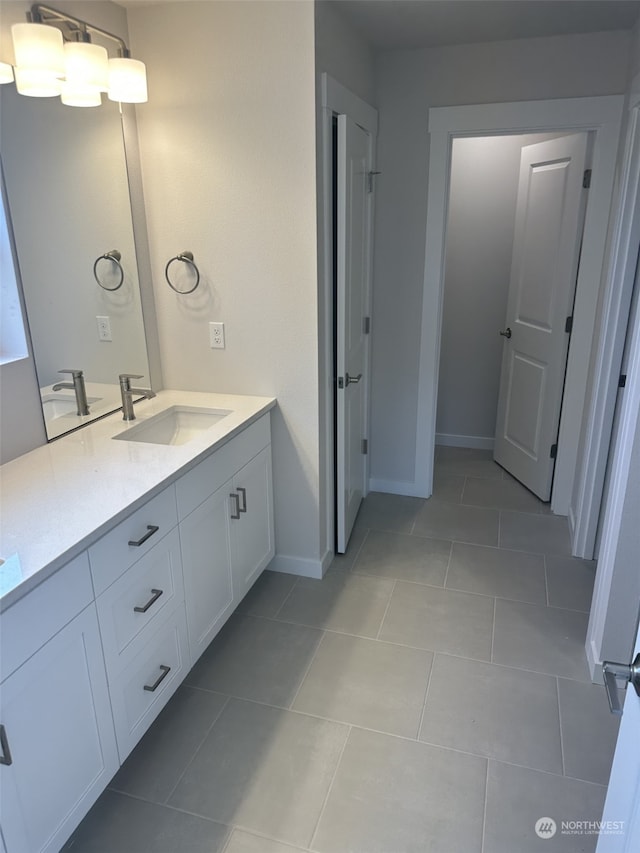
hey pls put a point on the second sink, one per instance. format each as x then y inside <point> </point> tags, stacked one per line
<point>176,425</point>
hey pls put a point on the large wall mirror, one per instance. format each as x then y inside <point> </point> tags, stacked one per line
<point>65,174</point>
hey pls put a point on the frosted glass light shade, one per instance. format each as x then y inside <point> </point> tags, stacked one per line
<point>6,73</point>
<point>38,47</point>
<point>86,65</point>
<point>80,96</point>
<point>127,81</point>
<point>37,84</point>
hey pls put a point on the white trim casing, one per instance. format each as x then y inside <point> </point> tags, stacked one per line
<point>588,493</point>
<point>601,115</point>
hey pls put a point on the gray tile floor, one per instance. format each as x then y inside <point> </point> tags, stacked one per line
<point>430,694</point>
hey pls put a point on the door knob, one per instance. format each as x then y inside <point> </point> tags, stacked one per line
<point>506,333</point>
<point>625,672</point>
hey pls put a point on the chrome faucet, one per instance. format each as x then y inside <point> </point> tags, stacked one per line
<point>128,393</point>
<point>78,387</point>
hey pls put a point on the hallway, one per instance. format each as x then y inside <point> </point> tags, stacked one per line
<point>430,694</point>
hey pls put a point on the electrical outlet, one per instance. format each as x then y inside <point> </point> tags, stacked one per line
<point>216,335</point>
<point>104,329</point>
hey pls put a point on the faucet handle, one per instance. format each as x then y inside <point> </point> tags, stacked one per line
<point>74,373</point>
<point>130,376</point>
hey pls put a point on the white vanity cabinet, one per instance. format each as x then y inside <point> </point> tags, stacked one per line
<point>225,506</point>
<point>58,745</point>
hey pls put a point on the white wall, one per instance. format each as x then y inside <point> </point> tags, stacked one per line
<point>480,226</point>
<point>344,56</point>
<point>408,83</point>
<point>227,145</point>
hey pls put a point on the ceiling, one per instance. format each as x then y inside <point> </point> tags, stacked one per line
<point>388,24</point>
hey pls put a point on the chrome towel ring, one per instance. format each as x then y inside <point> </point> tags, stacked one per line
<point>115,257</point>
<point>187,258</point>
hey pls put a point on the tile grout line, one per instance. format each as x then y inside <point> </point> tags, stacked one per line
<point>330,788</point>
<point>493,626</point>
<point>386,610</point>
<point>197,750</point>
<point>484,813</point>
<point>546,579</point>
<point>564,769</point>
<point>306,672</point>
<point>426,696</point>
<point>286,598</point>
<point>499,527</point>
<point>446,573</point>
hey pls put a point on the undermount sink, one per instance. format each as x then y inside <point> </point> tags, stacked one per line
<point>176,425</point>
<point>58,405</point>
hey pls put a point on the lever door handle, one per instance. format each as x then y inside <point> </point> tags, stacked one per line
<point>506,333</point>
<point>611,672</point>
<point>352,380</point>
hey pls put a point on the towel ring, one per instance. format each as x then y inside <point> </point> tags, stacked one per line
<point>115,257</point>
<point>187,258</point>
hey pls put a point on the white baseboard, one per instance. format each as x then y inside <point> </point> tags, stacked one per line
<point>396,487</point>
<point>299,566</point>
<point>481,442</point>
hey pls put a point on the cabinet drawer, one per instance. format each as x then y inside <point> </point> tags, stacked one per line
<point>112,555</point>
<point>31,622</point>
<point>140,692</point>
<point>139,599</point>
<point>215,470</point>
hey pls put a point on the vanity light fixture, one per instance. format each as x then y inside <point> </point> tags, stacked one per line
<point>55,56</point>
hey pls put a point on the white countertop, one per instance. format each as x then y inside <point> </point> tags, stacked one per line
<point>59,498</point>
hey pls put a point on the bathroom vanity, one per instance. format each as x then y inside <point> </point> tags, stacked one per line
<point>122,559</point>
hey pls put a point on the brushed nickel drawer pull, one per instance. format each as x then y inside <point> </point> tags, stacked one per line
<point>165,672</point>
<point>234,497</point>
<point>156,595</point>
<point>5,757</point>
<point>243,492</point>
<point>151,529</point>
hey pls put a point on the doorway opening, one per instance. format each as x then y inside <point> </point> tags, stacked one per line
<point>516,211</point>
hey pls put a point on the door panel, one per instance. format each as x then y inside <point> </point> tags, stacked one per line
<point>353,233</point>
<point>549,219</point>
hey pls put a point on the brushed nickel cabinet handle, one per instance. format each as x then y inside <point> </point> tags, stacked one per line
<point>165,672</point>
<point>243,492</point>
<point>234,497</point>
<point>5,757</point>
<point>151,529</point>
<point>156,593</point>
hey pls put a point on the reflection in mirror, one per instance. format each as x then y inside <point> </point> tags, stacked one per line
<point>68,198</point>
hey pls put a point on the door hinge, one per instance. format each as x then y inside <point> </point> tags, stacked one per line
<point>366,325</point>
<point>554,451</point>
<point>568,326</point>
<point>365,446</point>
<point>586,179</point>
<point>370,176</point>
<point>622,381</point>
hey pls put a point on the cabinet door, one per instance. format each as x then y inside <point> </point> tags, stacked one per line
<point>57,721</point>
<point>206,562</point>
<point>253,540</point>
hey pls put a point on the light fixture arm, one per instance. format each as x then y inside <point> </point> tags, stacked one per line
<point>42,14</point>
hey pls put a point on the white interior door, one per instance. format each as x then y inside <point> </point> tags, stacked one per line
<point>548,229</point>
<point>620,832</point>
<point>353,220</point>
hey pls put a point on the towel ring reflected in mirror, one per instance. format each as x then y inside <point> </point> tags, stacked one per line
<point>186,258</point>
<point>115,257</point>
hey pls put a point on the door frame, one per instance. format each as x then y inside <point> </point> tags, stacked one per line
<point>600,115</point>
<point>335,99</point>
<point>615,312</point>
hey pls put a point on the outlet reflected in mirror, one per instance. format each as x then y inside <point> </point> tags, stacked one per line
<point>68,198</point>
